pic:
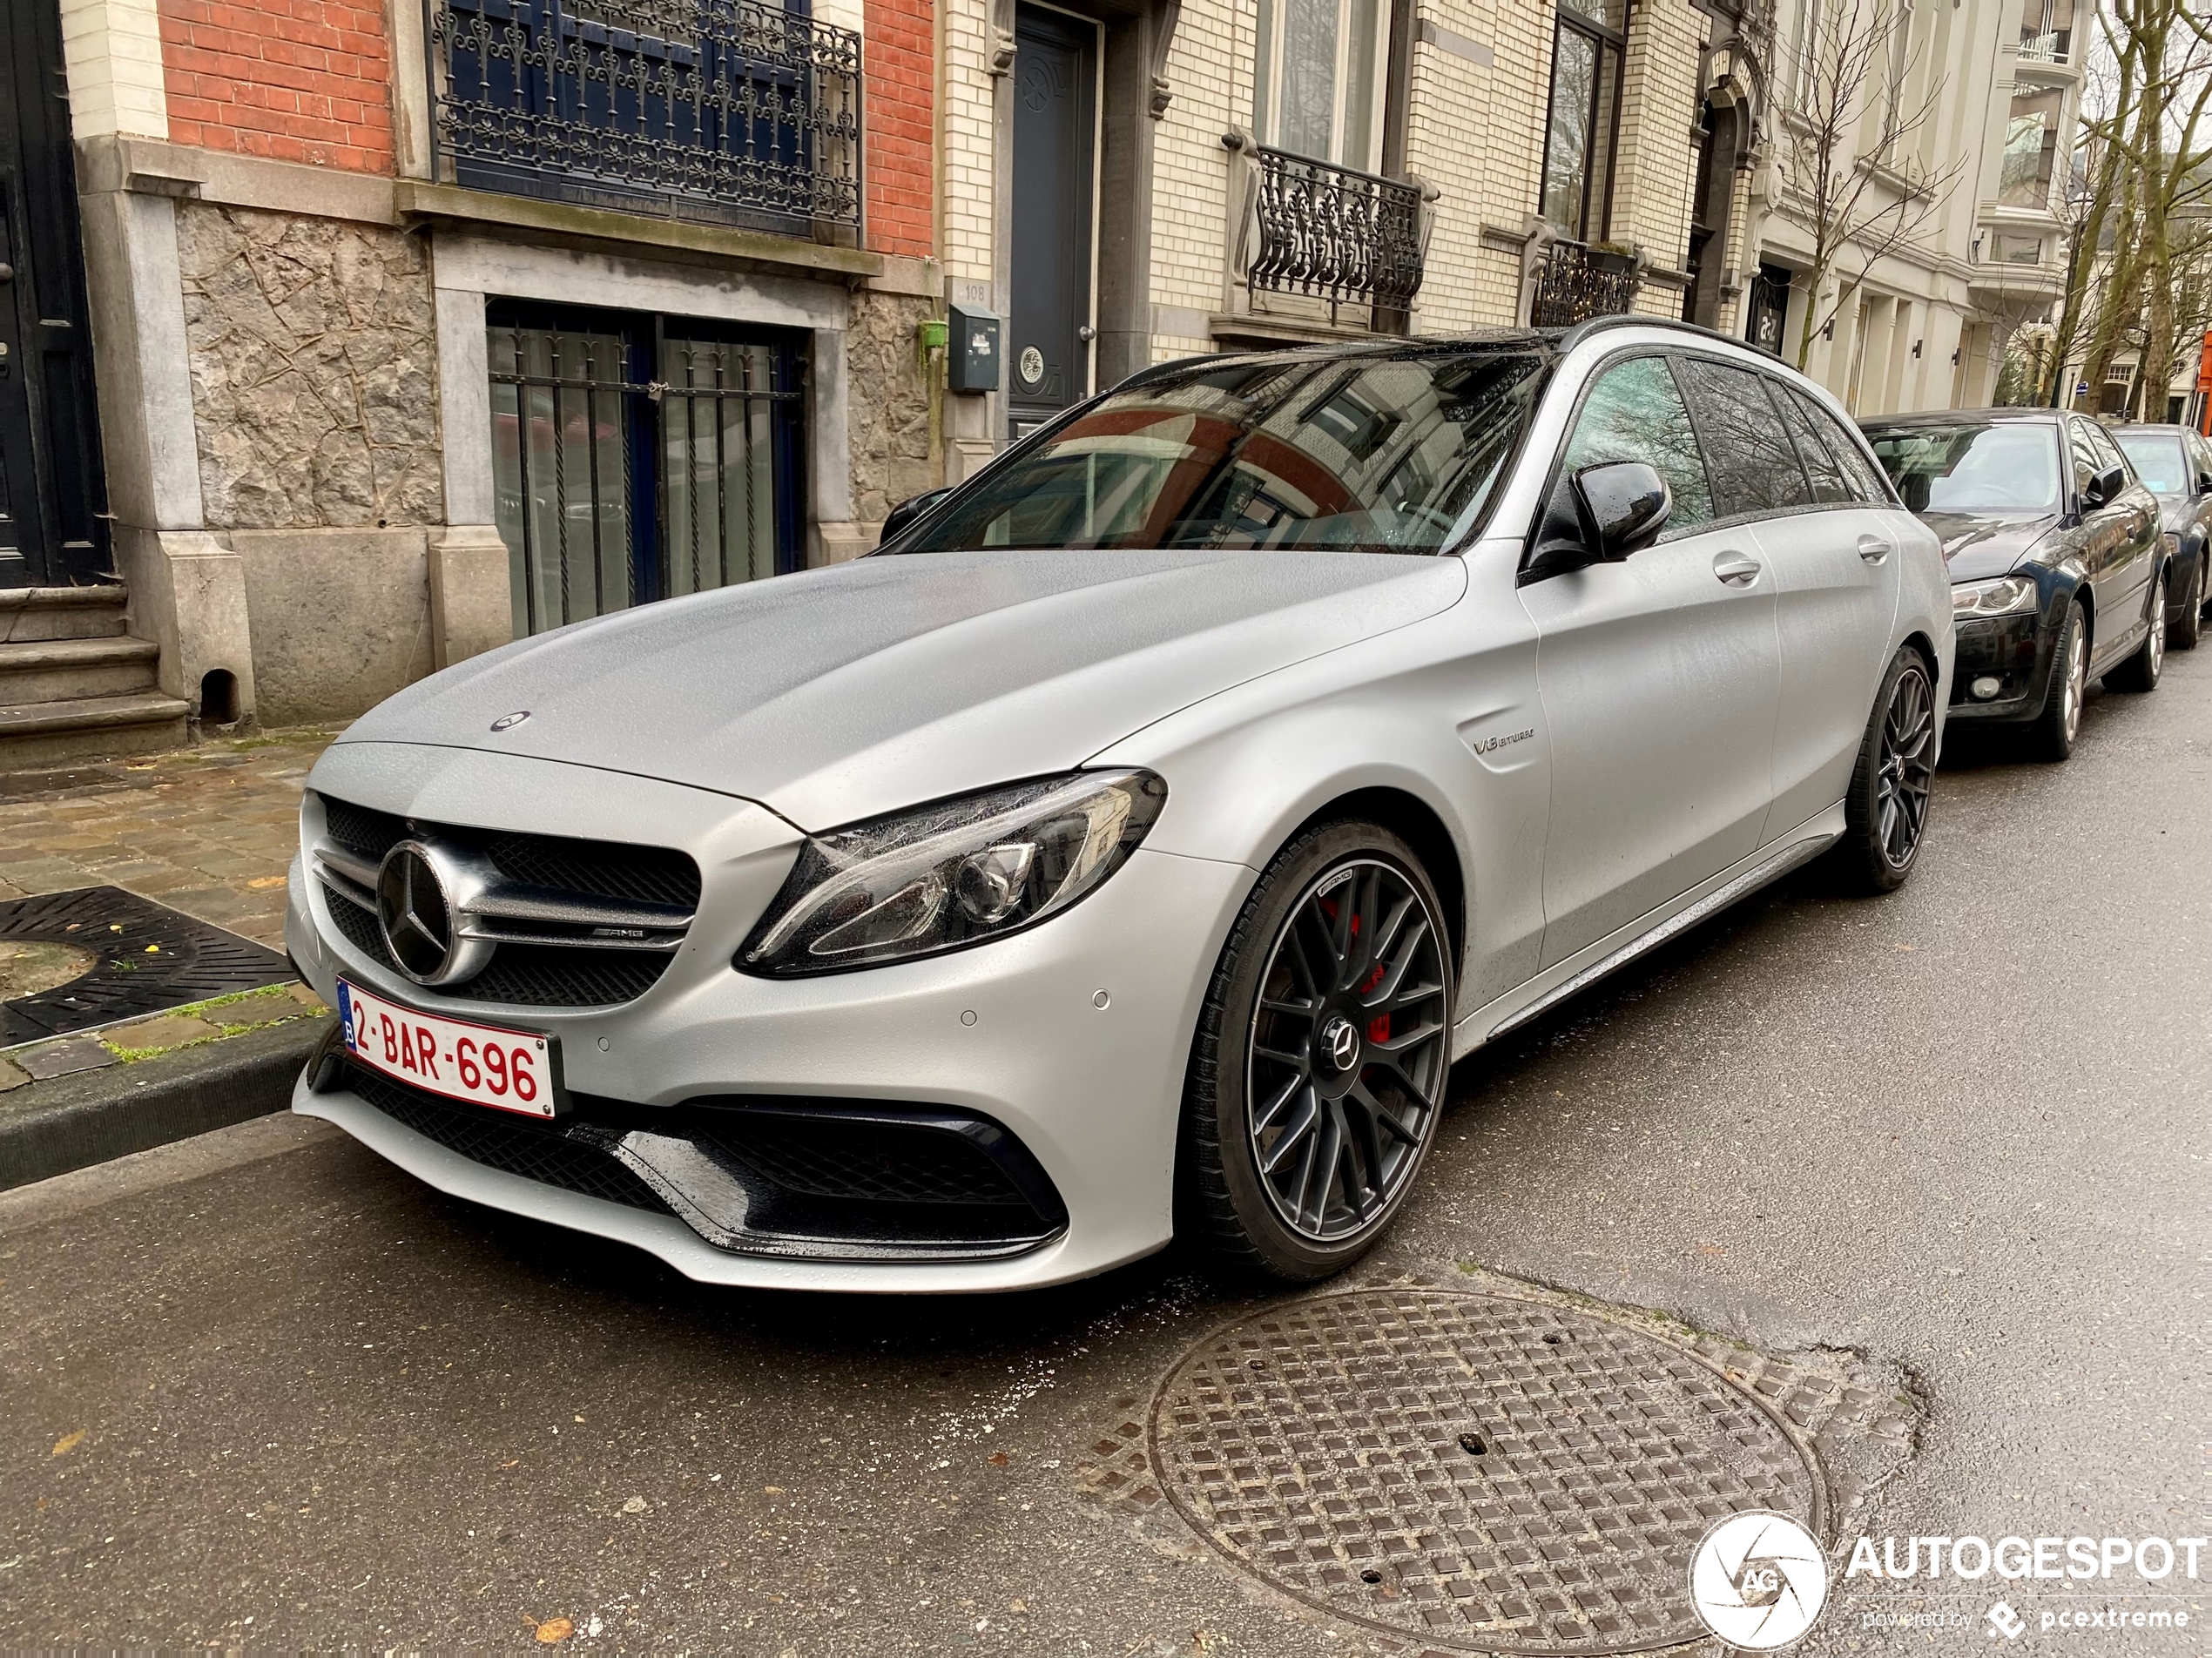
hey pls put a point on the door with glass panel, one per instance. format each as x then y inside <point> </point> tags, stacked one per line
<point>636,458</point>
<point>1584,114</point>
<point>1318,88</point>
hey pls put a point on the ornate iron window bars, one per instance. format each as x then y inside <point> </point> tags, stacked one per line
<point>1575,282</point>
<point>1330,233</point>
<point>730,111</point>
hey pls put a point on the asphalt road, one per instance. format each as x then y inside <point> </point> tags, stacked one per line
<point>1960,1130</point>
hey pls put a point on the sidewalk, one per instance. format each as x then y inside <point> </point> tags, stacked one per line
<point>208,831</point>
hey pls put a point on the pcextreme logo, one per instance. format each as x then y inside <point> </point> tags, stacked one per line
<point>1759,1581</point>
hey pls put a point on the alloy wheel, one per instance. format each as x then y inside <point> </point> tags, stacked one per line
<point>1350,1045</point>
<point>2158,628</point>
<point>1907,772</point>
<point>2077,660</point>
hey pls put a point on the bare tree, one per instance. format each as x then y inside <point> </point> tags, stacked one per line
<point>1841,151</point>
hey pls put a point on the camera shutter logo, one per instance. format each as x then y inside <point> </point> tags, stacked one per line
<point>1759,1581</point>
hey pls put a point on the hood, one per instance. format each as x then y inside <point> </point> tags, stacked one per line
<point>1977,545</point>
<point>837,694</point>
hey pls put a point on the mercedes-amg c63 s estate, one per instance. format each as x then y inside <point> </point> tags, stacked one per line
<point>1140,833</point>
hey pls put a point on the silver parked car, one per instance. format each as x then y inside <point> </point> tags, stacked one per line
<point>1142,833</point>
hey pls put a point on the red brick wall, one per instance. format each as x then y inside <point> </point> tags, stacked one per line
<point>296,80</point>
<point>901,71</point>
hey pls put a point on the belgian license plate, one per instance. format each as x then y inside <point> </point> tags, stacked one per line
<point>508,1070</point>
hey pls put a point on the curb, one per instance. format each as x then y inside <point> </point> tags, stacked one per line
<point>76,1121</point>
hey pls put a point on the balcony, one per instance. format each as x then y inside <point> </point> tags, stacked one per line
<point>2044,47</point>
<point>1575,281</point>
<point>1331,234</point>
<point>725,111</point>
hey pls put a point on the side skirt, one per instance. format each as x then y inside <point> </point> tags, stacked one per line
<point>1538,996</point>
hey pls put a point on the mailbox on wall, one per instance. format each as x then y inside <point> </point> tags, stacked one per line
<point>972,353</point>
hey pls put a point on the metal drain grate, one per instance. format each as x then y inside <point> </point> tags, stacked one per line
<point>188,961</point>
<point>1472,1472</point>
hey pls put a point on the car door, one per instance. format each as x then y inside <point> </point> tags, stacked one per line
<point>1658,676</point>
<point>2110,554</point>
<point>1836,611</point>
<point>2138,509</point>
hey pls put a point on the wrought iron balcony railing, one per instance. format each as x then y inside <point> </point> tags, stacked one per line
<point>1331,233</point>
<point>728,110</point>
<point>1575,282</point>
<point>2039,47</point>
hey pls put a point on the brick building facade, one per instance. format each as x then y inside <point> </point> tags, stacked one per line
<point>415,329</point>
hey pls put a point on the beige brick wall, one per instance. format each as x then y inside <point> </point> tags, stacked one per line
<point>1210,70</point>
<point>966,188</point>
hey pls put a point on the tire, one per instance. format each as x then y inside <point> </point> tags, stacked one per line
<point>2185,626</point>
<point>1885,814</point>
<point>2138,674</point>
<point>1301,1135</point>
<point>2050,736</point>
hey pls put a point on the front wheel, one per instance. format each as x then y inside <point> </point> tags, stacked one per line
<point>2139,672</point>
<point>1318,1076</point>
<point>2052,734</point>
<point>2185,626</point>
<point>1886,811</point>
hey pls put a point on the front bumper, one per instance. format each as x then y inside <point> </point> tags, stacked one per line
<point>2014,649</point>
<point>1013,1032</point>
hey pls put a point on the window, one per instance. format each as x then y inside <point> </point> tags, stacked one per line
<point>1318,90</point>
<point>2159,460</point>
<point>1829,485</point>
<point>1577,179</point>
<point>638,457</point>
<point>2031,147</point>
<point>2020,250</point>
<point>1865,481</point>
<point>2107,453</point>
<point>1391,455</point>
<point>2047,31</point>
<point>1973,467</point>
<point>1634,411</point>
<point>1755,468</point>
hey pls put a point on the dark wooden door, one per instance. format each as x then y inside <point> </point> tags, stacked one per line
<point>1056,68</point>
<point>52,528</point>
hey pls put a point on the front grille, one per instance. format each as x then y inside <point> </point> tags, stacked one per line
<point>511,1144</point>
<point>542,975</point>
<point>585,974</point>
<point>650,874</point>
<point>876,1163</point>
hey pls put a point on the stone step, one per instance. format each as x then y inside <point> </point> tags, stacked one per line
<point>29,613</point>
<point>34,734</point>
<point>49,671</point>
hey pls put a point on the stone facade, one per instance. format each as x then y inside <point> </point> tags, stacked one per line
<point>888,417</point>
<point>313,371</point>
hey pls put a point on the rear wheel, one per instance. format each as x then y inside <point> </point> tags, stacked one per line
<point>2139,672</point>
<point>1886,811</point>
<point>2186,624</point>
<point>2052,734</point>
<point>1318,1071</point>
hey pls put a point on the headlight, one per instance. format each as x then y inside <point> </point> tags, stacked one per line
<point>942,877</point>
<point>2006,596</point>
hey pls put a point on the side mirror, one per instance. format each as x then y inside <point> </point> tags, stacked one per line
<point>2204,483</point>
<point>2102,488</point>
<point>1623,506</point>
<point>907,511</point>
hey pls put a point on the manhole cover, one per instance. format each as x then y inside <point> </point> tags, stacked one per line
<point>1479,1472</point>
<point>142,957</point>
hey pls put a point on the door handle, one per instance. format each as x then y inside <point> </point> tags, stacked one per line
<point>1738,570</point>
<point>1873,549</point>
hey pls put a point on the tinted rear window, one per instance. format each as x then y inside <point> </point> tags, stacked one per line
<point>1387,454</point>
<point>1753,463</point>
<point>1971,467</point>
<point>2158,458</point>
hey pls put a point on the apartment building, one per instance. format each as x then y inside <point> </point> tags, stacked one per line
<point>1128,180</point>
<point>351,341</point>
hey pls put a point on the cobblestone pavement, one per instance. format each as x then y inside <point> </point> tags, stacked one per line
<point>209,831</point>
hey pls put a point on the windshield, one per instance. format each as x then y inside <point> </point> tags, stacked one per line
<point>2158,459</point>
<point>1394,454</point>
<point>1993,467</point>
